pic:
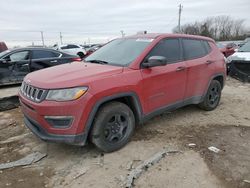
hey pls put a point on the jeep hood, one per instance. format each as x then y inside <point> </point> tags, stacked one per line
<point>70,75</point>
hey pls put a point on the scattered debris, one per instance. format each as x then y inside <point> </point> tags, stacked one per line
<point>246,181</point>
<point>7,103</point>
<point>120,180</point>
<point>214,149</point>
<point>130,165</point>
<point>136,173</point>
<point>13,123</point>
<point>14,138</point>
<point>81,173</point>
<point>191,145</point>
<point>28,160</point>
<point>160,132</point>
<point>101,160</point>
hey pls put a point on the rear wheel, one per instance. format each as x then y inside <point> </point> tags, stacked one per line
<point>113,126</point>
<point>212,97</point>
<point>81,55</point>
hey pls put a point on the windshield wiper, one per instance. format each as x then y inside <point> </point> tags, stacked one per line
<point>97,61</point>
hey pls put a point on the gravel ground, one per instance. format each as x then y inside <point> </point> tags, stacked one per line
<point>227,128</point>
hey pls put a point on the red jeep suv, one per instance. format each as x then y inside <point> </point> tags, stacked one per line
<point>124,83</point>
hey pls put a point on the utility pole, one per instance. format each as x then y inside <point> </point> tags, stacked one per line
<point>42,38</point>
<point>123,34</point>
<point>179,20</point>
<point>61,38</point>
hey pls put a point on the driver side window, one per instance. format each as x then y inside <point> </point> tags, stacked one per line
<point>18,56</point>
<point>169,48</point>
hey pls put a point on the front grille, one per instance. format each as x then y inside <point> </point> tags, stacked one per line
<point>33,93</point>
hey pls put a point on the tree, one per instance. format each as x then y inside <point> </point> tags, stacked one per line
<point>218,28</point>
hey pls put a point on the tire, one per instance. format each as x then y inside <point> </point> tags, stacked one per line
<point>81,55</point>
<point>212,98</point>
<point>113,127</point>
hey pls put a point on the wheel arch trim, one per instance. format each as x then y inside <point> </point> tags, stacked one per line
<point>135,100</point>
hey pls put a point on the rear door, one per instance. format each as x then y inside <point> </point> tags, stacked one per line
<point>165,85</point>
<point>199,66</point>
<point>44,58</point>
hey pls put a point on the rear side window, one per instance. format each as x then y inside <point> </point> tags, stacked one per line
<point>72,46</point>
<point>193,48</point>
<point>207,46</point>
<point>169,48</point>
<point>64,47</point>
<point>40,54</point>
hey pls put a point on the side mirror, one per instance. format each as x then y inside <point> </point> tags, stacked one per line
<point>155,61</point>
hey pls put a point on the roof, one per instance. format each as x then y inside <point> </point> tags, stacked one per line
<point>32,48</point>
<point>163,35</point>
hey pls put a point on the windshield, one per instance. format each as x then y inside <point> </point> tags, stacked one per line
<point>119,52</point>
<point>245,48</point>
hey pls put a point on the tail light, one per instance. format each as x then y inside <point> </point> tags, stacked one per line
<point>77,59</point>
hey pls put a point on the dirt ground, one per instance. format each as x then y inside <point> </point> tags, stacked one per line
<point>227,128</point>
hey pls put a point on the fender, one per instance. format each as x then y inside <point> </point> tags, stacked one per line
<point>135,100</point>
<point>212,78</point>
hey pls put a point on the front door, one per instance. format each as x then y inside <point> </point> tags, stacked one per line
<point>18,65</point>
<point>165,85</point>
<point>6,75</point>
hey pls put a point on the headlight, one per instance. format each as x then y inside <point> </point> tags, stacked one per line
<point>66,94</point>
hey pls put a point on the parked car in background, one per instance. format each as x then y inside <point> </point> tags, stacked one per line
<point>17,63</point>
<point>239,63</point>
<point>88,46</point>
<point>247,40</point>
<point>227,49</point>
<point>124,83</point>
<point>93,49</point>
<point>73,49</point>
<point>3,46</point>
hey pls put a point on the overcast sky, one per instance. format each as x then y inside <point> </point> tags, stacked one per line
<point>101,20</point>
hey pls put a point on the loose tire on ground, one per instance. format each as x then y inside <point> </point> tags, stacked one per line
<point>113,126</point>
<point>212,97</point>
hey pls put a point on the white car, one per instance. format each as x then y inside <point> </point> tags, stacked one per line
<point>239,63</point>
<point>72,49</point>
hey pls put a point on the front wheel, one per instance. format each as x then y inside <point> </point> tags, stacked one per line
<point>113,126</point>
<point>212,97</point>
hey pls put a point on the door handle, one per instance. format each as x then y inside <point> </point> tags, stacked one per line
<point>180,69</point>
<point>53,61</point>
<point>208,62</point>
